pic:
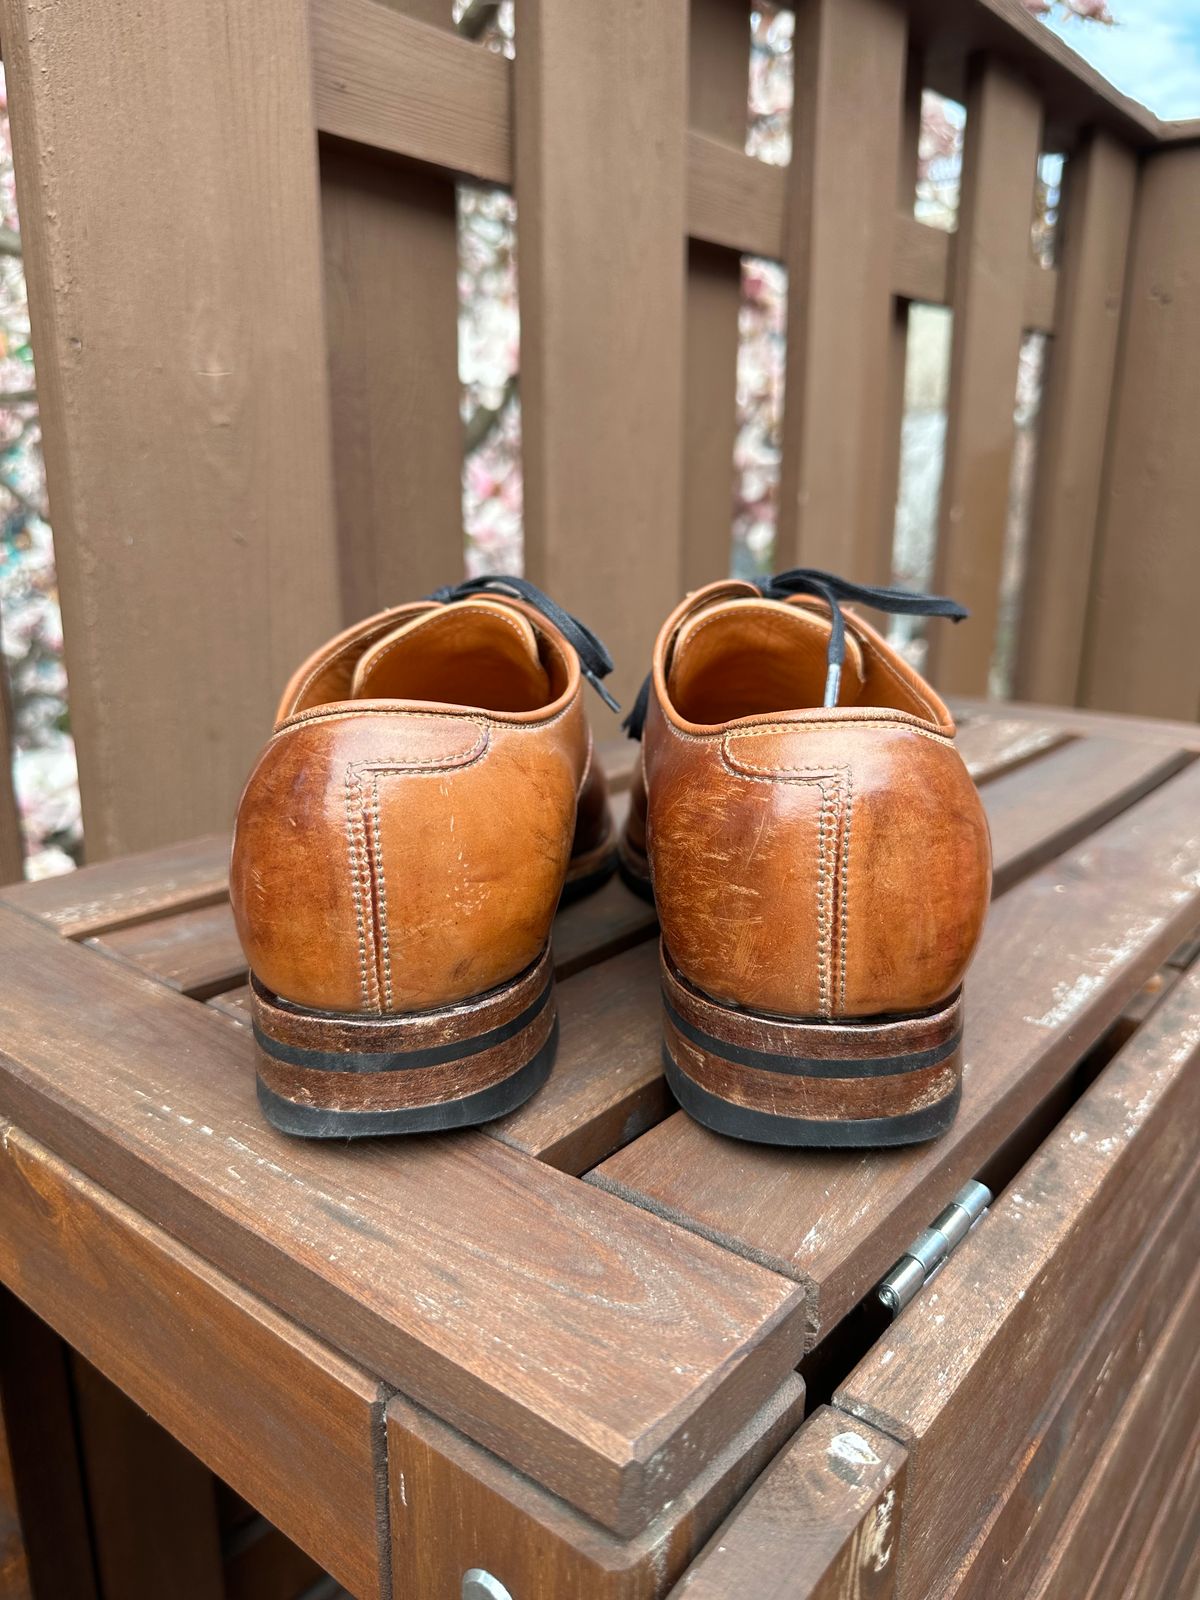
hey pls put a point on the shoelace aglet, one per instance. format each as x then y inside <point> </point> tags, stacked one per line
<point>833,683</point>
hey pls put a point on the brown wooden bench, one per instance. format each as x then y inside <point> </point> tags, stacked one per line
<point>564,1349</point>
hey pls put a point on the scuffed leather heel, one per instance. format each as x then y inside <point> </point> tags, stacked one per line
<point>325,1074</point>
<point>844,1083</point>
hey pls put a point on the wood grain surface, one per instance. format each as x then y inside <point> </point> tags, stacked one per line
<point>171,228</point>
<point>240,1386</point>
<point>1061,955</point>
<point>391,1253</point>
<point>992,252</point>
<point>977,1354</point>
<point>454,1507</point>
<point>824,1522</point>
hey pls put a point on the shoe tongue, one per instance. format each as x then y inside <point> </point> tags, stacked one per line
<point>475,652</point>
<point>744,658</point>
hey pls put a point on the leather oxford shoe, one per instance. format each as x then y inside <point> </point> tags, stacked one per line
<point>820,862</point>
<point>400,849</point>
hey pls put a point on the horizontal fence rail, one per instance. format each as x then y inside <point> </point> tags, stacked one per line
<point>247,340</point>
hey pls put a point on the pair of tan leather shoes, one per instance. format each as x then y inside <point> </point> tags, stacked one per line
<point>802,820</point>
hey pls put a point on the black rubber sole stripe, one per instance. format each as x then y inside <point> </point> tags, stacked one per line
<point>402,1060</point>
<point>765,1127</point>
<point>318,1122</point>
<point>803,1066</point>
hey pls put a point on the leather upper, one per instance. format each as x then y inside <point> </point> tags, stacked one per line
<point>808,862</point>
<point>402,841</point>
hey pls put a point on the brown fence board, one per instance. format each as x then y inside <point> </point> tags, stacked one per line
<point>1061,955</point>
<point>975,1358</point>
<point>601,99</point>
<point>12,849</point>
<point>164,1072</point>
<point>718,90</point>
<point>824,1522</point>
<point>1097,214</point>
<point>851,58</point>
<point>391,309</point>
<point>1142,651</point>
<point>172,253</point>
<point>398,83</point>
<point>991,264</point>
<point>265,1390</point>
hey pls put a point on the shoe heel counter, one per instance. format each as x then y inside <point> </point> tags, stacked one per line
<point>390,862</point>
<point>299,880</point>
<point>821,872</point>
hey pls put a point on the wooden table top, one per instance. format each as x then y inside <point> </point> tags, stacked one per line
<point>595,1289</point>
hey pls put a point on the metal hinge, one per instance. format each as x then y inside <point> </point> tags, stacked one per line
<point>930,1249</point>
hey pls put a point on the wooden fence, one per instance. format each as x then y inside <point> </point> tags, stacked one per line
<point>240,239</point>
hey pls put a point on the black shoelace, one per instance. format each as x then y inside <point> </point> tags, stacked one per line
<point>594,660</point>
<point>830,588</point>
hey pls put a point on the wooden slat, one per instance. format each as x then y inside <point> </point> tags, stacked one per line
<point>824,1522</point>
<point>421,1266</point>
<point>454,1507</point>
<point>196,952</point>
<point>1154,1444</point>
<point>1173,1541</point>
<point>12,849</point>
<point>994,745</point>
<point>169,212</point>
<point>1097,213</point>
<point>991,264</point>
<point>735,200</point>
<point>718,92</point>
<point>891,398</point>
<point>1143,647</point>
<point>1042,809</point>
<point>849,113</point>
<point>601,101</point>
<point>151,1504</point>
<point>1095,1371</point>
<point>1072,720</point>
<point>391,304</point>
<point>973,1360</point>
<point>1060,957</point>
<point>397,83</point>
<point>609,1088</point>
<point>39,1425</point>
<point>137,888</point>
<point>265,1392</point>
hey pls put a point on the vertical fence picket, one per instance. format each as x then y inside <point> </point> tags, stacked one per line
<point>1097,213</point>
<point>391,296</point>
<point>991,266</point>
<point>11,852</point>
<point>601,94</point>
<point>880,562</point>
<point>849,110</point>
<point>170,222</point>
<point>1142,652</point>
<point>718,92</point>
